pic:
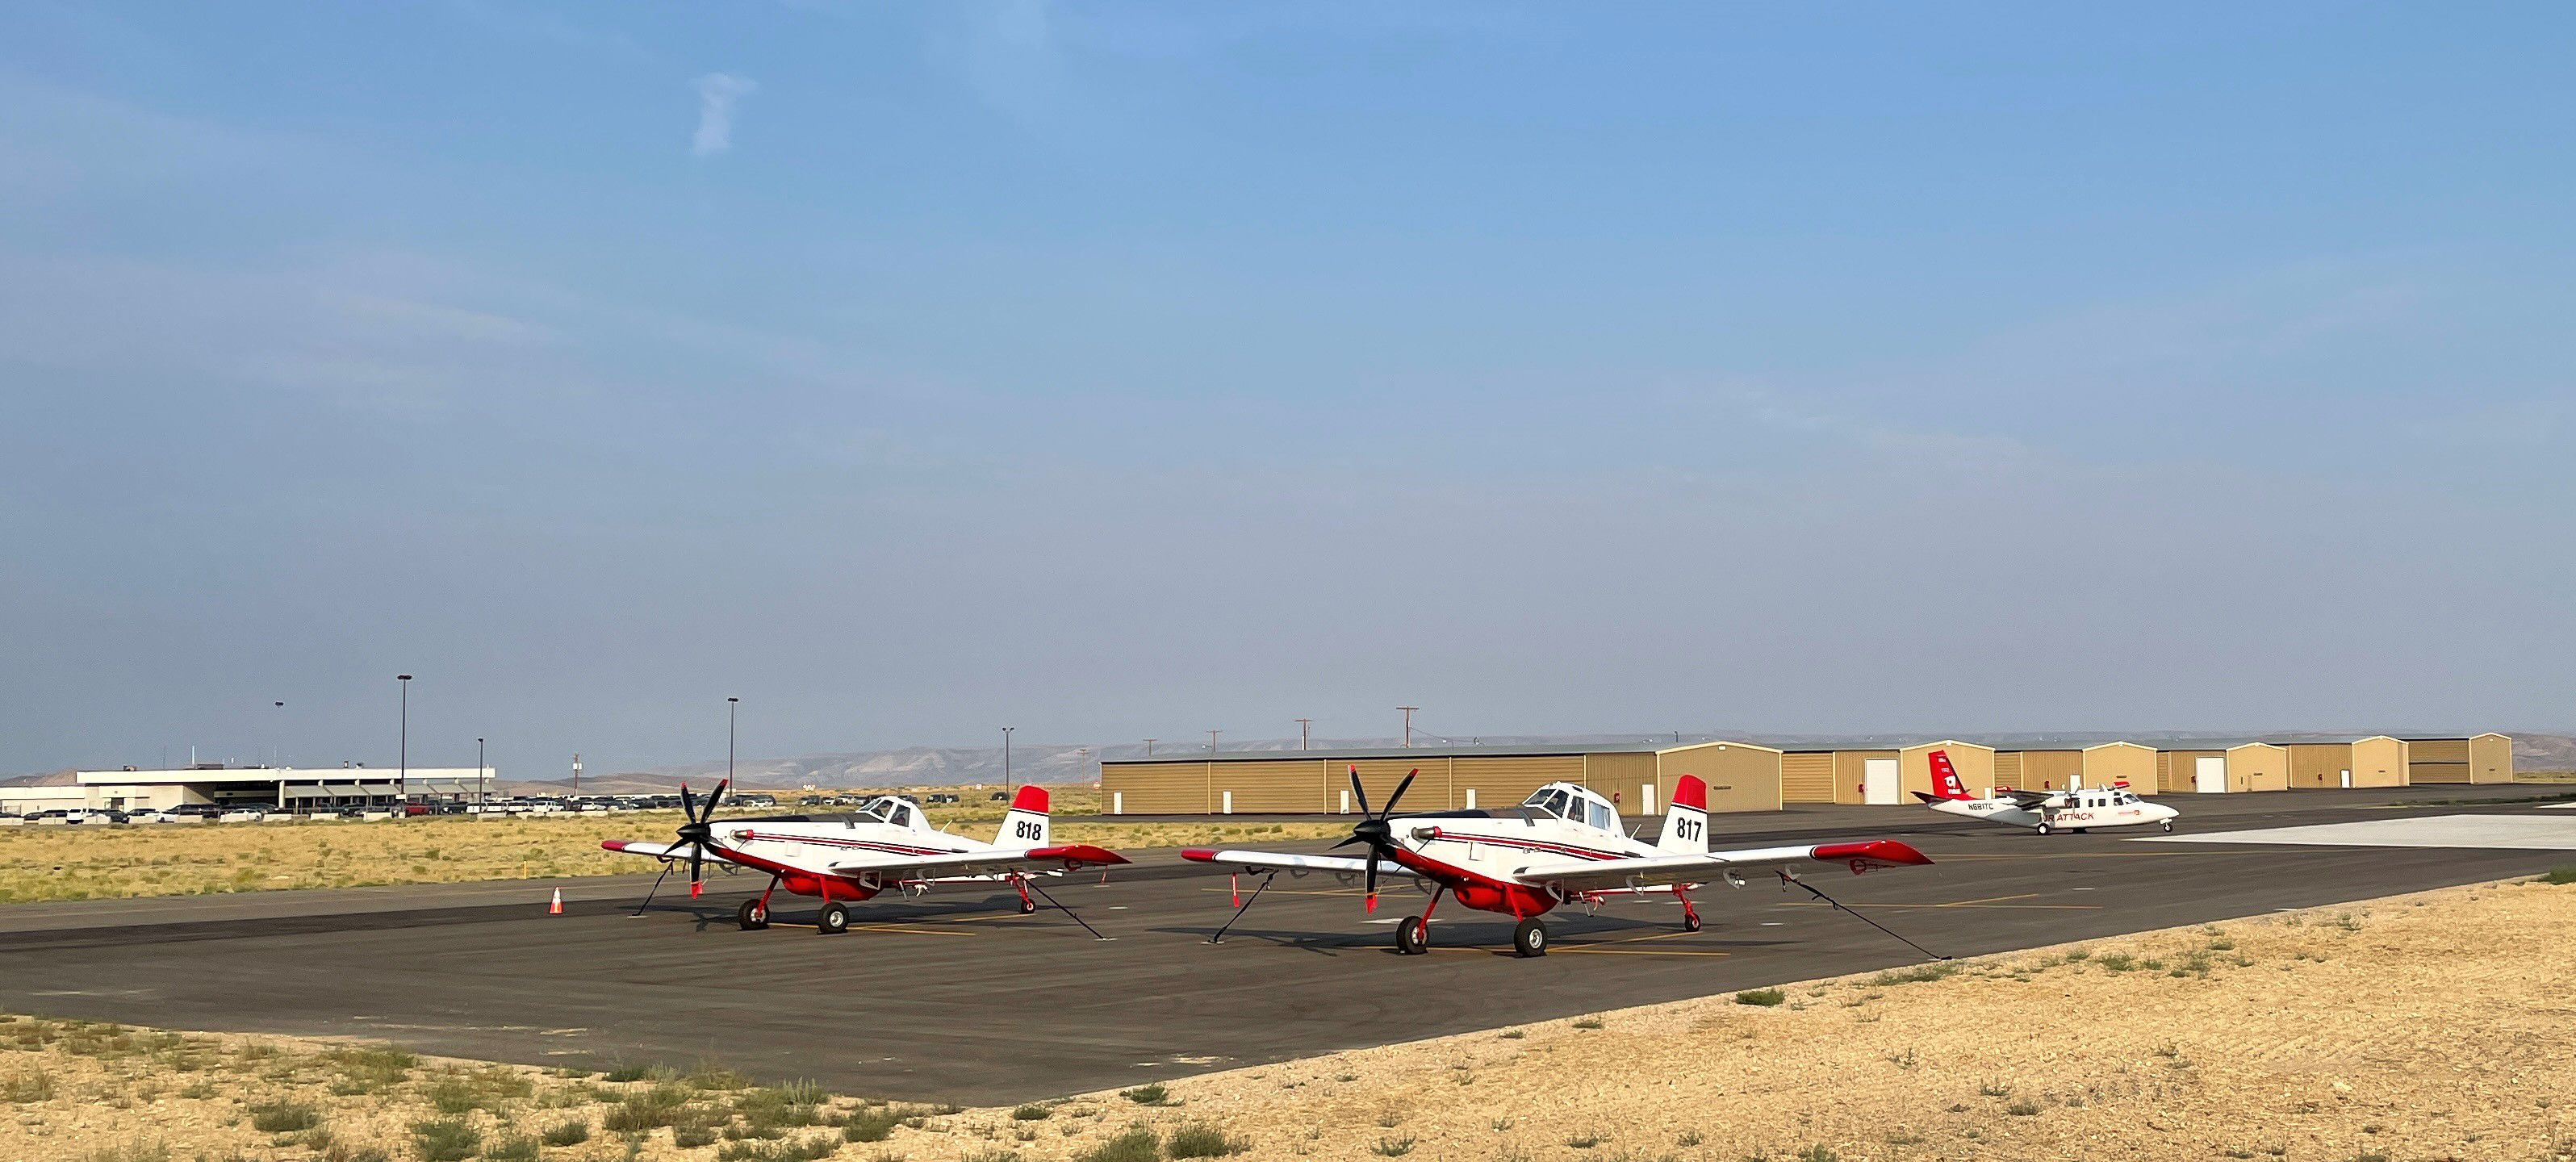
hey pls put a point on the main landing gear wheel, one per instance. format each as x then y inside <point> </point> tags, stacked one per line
<point>2082,830</point>
<point>1412,936</point>
<point>833,920</point>
<point>1529,938</point>
<point>1690,921</point>
<point>2167,824</point>
<point>754,915</point>
<point>1028,907</point>
<point>2042,829</point>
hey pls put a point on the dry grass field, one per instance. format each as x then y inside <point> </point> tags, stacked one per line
<point>80,863</point>
<point>2434,1026</point>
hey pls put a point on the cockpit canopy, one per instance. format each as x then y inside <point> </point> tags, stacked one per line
<point>891,810</point>
<point>1573,803</point>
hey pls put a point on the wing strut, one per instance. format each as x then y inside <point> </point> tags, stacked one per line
<point>1786,879</point>
<point>1246,906</point>
<point>1086,925</point>
<point>657,886</point>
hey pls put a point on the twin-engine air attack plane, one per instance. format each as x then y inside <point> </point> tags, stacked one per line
<point>1563,843</point>
<point>886,843</point>
<point>2043,811</point>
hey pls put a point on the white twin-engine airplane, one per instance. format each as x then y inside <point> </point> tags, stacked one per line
<point>1563,843</point>
<point>2043,811</point>
<point>886,843</point>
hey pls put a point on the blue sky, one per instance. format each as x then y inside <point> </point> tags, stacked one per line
<point>1121,369</point>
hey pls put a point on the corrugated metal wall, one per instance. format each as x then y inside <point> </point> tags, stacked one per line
<point>2491,758</point>
<point>1430,790</point>
<point>2007,771</point>
<point>1623,776</point>
<point>2050,770</point>
<point>1740,776</point>
<point>1506,780</point>
<point>2110,763</point>
<point>1157,788</point>
<point>2318,764</point>
<point>1807,777</point>
<point>1278,785</point>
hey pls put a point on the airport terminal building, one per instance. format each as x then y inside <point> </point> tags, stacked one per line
<point>290,789</point>
<point>1752,776</point>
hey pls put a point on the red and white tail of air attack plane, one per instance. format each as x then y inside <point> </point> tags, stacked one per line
<point>1562,844</point>
<point>2076,809</point>
<point>888,843</point>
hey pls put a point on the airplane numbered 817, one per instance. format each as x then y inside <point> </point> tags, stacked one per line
<point>888,843</point>
<point>1562,844</point>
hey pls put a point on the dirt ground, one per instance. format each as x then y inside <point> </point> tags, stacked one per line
<point>167,859</point>
<point>2432,1026</point>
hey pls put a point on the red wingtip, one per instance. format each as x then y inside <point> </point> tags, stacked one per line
<point>1883,852</point>
<point>1199,854</point>
<point>613,844</point>
<point>1689,791</point>
<point>1030,798</point>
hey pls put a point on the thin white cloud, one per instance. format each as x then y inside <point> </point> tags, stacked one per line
<point>717,94</point>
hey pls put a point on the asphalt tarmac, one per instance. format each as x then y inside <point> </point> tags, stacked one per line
<point>957,997</point>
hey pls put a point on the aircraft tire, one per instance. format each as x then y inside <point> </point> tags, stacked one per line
<point>2083,830</point>
<point>833,920</point>
<point>1529,938</point>
<point>1412,936</point>
<point>1690,922</point>
<point>753,915</point>
<point>2041,829</point>
<point>2167,824</point>
<point>1028,907</point>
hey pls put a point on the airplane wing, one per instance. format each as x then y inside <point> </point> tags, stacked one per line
<point>2026,798</point>
<point>1062,857</point>
<point>657,850</point>
<point>1579,875</point>
<point>1273,861</point>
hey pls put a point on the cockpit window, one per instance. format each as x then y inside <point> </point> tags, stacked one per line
<point>901,816</point>
<point>1600,814</point>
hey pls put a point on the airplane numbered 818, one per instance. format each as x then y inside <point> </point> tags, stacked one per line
<point>888,843</point>
<point>1562,844</point>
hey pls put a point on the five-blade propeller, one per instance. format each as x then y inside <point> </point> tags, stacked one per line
<point>1374,830</point>
<point>696,831</point>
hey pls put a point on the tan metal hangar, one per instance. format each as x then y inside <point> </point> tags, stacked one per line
<point>1638,777</point>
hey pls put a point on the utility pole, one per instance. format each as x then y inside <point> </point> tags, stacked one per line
<point>1006,756</point>
<point>482,776</point>
<point>1212,742</point>
<point>730,703</point>
<point>1408,724</point>
<point>1149,748</point>
<point>1302,724</point>
<point>402,780</point>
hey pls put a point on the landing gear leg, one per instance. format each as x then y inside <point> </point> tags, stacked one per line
<point>1027,905</point>
<point>1690,915</point>
<point>1529,938</point>
<point>1413,933</point>
<point>754,914</point>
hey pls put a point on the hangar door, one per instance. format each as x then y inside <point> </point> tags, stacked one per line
<point>2209,774</point>
<point>1878,782</point>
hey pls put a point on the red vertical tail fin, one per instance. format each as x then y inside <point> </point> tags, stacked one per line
<point>1945,778</point>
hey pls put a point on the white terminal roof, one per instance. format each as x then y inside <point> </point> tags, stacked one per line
<point>282,774</point>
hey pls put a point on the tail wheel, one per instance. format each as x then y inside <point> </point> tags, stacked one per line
<point>834,919</point>
<point>1529,938</point>
<point>753,915</point>
<point>1412,936</point>
<point>2043,829</point>
<point>1690,922</point>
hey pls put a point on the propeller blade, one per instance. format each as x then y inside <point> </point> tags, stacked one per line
<point>1357,791</point>
<point>1372,879</point>
<point>688,804</point>
<point>697,869</point>
<point>715,797</point>
<point>1399,791</point>
<point>1347,842</point>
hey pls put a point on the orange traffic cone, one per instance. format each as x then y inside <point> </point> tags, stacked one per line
<point>556,908</point>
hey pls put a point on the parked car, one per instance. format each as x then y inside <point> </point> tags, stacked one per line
<point>153,815</point>
<point>941,797</point>
<point>1001,796</point>
<point>243,813</point>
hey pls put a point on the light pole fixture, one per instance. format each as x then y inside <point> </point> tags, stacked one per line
<point>1302,724</point>
<point>1006,756</point>
<point>1408,723</point>
<point>402,777</point>
<point>482,776</point>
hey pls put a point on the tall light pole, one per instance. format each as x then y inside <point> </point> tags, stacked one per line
<point>402,783</point>
<point>730,703</point>
<point>1006,756</point>
<point>276,747</point>
<point>482,776</point>
<point>1302,724</point>
<point>1149,748</point>
<point>1408,723</point>
<point>1212,742</point>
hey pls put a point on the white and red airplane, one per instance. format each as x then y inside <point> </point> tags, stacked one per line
<point>886,843</point>
<point>2076,809</point>
<point>1562,844</point>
